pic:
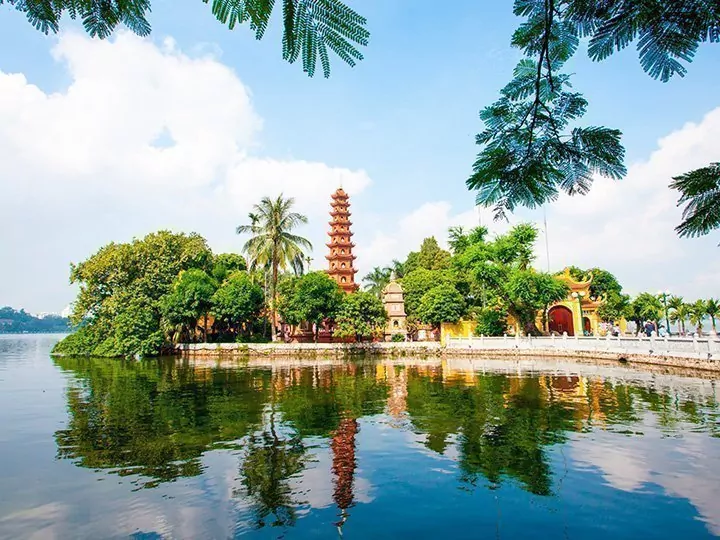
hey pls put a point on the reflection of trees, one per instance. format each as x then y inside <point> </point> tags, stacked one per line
<point>503,426</point>
<point>155,418</point>
<point>269,463</point>
<point>318,398</point>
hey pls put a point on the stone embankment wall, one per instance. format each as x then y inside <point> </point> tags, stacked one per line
<point>309,350</point>
<point>588,356</point>
<point>426,350</point>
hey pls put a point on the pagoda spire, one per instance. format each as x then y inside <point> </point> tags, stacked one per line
<point>340,257</point>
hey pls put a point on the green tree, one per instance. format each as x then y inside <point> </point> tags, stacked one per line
<point>190,299</point>
<point>697,313</point>
<point>503,266</point>
<point>397,267</point>
<point>238,302</point>
<point>430,257</point>
<point>272,244</point>
<point>615,307</point>
<point>459,239</point>
<point>678,311</point>
<point>603,282</point>
<point>129,277</point>
<point>377,279</point>
<point>441,304</point>
<point>491,321</point>
<point>225,264</point>
<point>313,297</point>
<point>531,146</point>
<point>361,315</point>
<point>700,193</point>
<point>416,283</point>
<point>645,307</point>
<point>311,28</point>
<point>712,308</point>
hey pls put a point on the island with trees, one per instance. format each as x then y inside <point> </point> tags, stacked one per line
<point>144,297</point>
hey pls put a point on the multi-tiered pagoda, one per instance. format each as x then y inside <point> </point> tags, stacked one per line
<point>340,258</point>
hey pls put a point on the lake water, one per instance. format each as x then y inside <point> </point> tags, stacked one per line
<point>374,449</point>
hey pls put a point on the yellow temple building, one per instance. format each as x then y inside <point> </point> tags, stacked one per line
<point>576,314</point>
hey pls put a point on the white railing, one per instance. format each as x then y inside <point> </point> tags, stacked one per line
<point>699,348</point>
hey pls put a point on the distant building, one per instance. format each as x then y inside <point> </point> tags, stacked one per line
<point>394,302</point>
<point>340,257</point>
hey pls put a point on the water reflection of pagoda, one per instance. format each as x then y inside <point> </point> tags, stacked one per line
<point>343,465</point>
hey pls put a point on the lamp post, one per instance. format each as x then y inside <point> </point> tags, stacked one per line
<point>664,295</point>
<point>579,295</point>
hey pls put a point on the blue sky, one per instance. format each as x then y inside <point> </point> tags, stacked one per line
<point>406,116</point>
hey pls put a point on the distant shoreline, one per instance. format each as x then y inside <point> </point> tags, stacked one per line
<point>35,333</point>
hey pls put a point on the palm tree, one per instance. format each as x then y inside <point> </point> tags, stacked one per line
<point>697,312</point>
<point>673,304</point>
<point>272,244</point>
<point>398,267</point>
<point>457,238</point>
<point>377,280</point>
<point>712,308</point>
<point>679,315</point>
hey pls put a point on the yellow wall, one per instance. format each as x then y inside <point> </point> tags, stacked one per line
<point>460,329</point>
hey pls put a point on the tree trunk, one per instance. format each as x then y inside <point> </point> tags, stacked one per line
<point>273,284</point>
<point>205,327</point>
<point>530,329</point>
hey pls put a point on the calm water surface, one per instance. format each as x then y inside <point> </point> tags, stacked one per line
<point>375,449</point>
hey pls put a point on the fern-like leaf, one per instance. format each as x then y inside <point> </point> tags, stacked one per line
<point>700,193</point>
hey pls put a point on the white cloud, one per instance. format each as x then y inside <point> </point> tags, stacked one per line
<point>148,137</point>
<point>628,226</point>
<point>430,219</point>
<point>683,466</point>
<point>144,137</point>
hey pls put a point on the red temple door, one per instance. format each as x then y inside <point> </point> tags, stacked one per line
<point>561,320</point>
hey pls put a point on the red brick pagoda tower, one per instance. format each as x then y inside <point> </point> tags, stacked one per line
<point>340,258</point>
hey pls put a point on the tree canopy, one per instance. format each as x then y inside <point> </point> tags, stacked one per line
<point>430,257</point>
<point>418,282</point>
<point>238,301</point>
<point>361,315</point>
<point>121,287</point>
<point>503,268</point>
<point>376,280</point>
<point>312,29</point>
<point>313,297</point>
<point>533,148</point>
<point>273,245</point>
<point>700,193</point>
<point>441,304</point>
<point>191,297</point>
